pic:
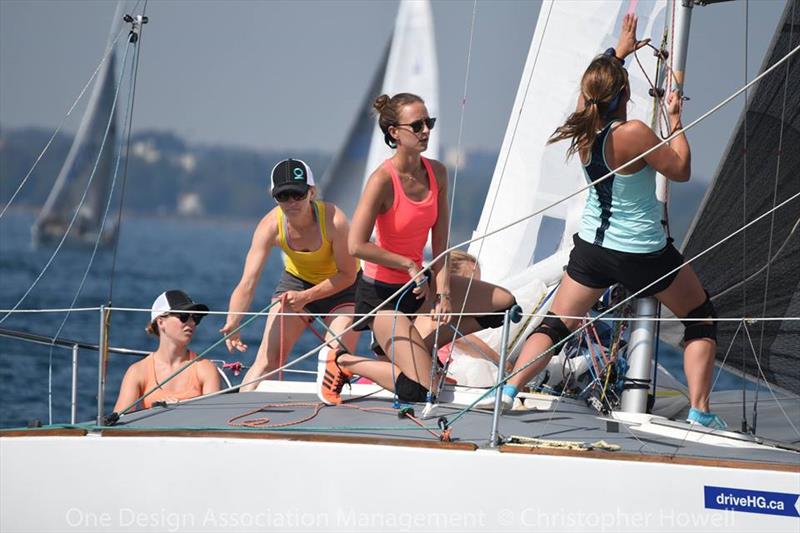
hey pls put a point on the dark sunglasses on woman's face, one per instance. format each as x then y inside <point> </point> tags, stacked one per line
<point>282,197</point>
<point>184,317</point>
<point>416,126</point>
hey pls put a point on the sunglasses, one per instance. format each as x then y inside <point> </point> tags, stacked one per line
<point>417,125</point>
<point>283,197</point>
<point>184,317</point>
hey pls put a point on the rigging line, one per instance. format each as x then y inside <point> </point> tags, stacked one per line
<point>774,199</point>
<point>635,159</point>
<point>90,263</point>
<point>135,75</point>
<point>766,382</point>
<point>505,164</point>
<point>763,268</point>
<point>477,313</point>
<point>461,119</point>
<point>744,209</point>
<point>83,197</point>
<point>103,60</point>
<point>446,265</point>
<point>624,301</point>
<point>514,133</point>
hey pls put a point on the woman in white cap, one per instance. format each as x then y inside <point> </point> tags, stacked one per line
<point>173,319</point>
<point>319,276</point>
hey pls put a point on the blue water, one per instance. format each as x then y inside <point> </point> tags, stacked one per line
<point>202,257</point>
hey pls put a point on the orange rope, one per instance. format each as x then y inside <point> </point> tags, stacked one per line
<point>264,422</point>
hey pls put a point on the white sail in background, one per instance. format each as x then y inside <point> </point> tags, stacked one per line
<point>530,175</point>
<point>411,68</point>
<point>84,153</point>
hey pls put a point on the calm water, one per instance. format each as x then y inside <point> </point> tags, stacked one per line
<point>202,257</point>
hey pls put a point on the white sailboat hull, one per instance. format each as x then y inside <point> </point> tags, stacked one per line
<point>243,484</point>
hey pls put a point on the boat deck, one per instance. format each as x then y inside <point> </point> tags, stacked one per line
<point>298,414</point>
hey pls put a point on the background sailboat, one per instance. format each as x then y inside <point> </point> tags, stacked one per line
<point>407,65</point>
<point>88,149</point>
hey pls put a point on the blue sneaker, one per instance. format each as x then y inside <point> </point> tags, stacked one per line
<point>709,420</point>
<point>506,399</point>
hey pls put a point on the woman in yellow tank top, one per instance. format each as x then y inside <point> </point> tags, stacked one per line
<point>319,276</point>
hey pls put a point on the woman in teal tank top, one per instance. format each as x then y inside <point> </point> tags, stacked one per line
<point>622,239</point>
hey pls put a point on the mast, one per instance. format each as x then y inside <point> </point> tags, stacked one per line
<point>642,340</point>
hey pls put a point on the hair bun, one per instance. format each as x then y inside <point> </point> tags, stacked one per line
<point>381,102</point>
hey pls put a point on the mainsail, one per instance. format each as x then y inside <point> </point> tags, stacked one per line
<point>408,65</point>
<point>63,199</point>
<point>757,273</point>
<point>530,175</point>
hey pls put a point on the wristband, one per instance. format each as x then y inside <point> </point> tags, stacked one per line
<point>610,52</point>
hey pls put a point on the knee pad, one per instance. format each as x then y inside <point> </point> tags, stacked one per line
<point>553,327</point>
<point>701,330</point>
<point>494,321</point>
<point>409,390</point>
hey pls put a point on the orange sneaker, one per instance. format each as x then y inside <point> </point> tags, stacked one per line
<point>330,377</point>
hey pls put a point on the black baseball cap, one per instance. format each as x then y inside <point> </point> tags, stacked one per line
<point>174,300</point>
<point>291,175</point>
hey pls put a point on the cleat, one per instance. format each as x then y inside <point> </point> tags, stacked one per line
<point>707,419</point>
<point>330,378</point>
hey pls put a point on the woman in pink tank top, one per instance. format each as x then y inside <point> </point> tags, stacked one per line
<point>405,202</point>
<point>173,319</point>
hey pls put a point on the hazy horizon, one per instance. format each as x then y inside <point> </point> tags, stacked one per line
<point>279,75</point>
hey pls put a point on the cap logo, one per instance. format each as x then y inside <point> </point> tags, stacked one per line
<point>298,173</point>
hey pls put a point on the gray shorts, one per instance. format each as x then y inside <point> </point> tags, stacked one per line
<point>325,306</point>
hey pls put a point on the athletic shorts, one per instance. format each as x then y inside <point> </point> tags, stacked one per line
<point>324,306</point>
<point>371,293</point>
<point>597,267</point>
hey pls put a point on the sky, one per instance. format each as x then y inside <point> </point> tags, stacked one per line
<point>279,74</point>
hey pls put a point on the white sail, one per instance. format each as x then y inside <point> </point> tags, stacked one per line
<point>411,68</point>
<point>87,151</point>
<point>530,175</point>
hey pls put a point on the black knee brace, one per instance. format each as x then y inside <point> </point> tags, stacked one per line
<point>493,321</point>
<point>409,390</point>
<point>553,327</point>
<point>701,330</point>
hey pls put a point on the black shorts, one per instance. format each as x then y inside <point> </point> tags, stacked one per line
<point>324,306</point>
<point>597,267</point>
<point>371,293</point>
